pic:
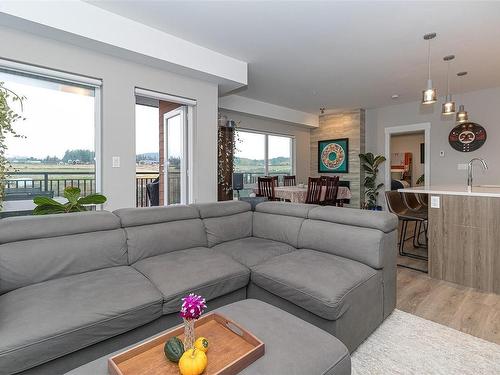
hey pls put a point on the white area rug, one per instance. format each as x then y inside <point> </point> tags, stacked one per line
<point>407,344</point>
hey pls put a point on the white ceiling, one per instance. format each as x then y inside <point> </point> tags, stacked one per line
<point>306,55</point>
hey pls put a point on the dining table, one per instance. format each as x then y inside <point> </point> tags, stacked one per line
<point>298,194</point>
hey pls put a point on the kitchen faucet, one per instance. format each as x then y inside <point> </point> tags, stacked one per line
<point>469,172</point>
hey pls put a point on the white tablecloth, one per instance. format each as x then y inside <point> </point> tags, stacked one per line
<point>296,194</point>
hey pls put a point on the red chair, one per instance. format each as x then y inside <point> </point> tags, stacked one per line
<point>289,181</point>
<point>266,187</point>
<point>331,191</point>
<point>314,190</point>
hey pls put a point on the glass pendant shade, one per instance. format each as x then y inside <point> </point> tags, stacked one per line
<point>462,115</point>
<point>429,95</point>
<point>448,107</point>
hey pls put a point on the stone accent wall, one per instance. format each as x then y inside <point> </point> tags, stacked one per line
<point>345,124</point>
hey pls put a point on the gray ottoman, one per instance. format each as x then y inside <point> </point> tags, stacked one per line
<point>293,346</point>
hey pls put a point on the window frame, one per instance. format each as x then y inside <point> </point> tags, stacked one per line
<point>266,147</point>
<point>38,72</point>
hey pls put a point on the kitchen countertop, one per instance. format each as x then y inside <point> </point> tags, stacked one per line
<point>477,191</point>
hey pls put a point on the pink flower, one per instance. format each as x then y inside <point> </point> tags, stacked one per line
<point>192,306</point>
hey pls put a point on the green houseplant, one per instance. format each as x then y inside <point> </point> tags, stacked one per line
<point>370,164</point>
<point>46,206</point>
<point>8,116</point>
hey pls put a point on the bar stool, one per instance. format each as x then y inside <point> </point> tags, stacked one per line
<point>412,202</point>
<point>397,206</point>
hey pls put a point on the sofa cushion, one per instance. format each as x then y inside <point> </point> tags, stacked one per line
<point>360,244</point>
<point>220,209</point>
<point>197,270</point>
<point>318,282</point>
<point>383,221</point>
<point>137,216</point>
<point>44,321</point>
<point>14,228</point>
<point>279,221</point>
<point>226,221</point>
<point>252,250</point>
<point>33,261</point>
<point>158,230</point>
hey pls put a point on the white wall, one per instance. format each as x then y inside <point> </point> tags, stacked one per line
<point>120,77</point>
<point>301,135</point>
<point>402,143</point>
<point>483,108</point>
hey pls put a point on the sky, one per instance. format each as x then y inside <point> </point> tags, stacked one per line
<point>58,117</point>
<point>252,146</point>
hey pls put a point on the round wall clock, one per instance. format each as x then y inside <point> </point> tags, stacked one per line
<point>467,137</point>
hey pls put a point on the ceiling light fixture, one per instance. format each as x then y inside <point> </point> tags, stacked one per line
<point>429,95</point>
<point>395,96</point>
<point>462,115</point>
<point>448,107</point>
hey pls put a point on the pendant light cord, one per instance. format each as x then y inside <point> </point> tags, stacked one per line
<point>448,81</point>
<point>429,58</point>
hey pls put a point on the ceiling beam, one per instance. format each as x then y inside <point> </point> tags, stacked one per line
<point>262,109</point>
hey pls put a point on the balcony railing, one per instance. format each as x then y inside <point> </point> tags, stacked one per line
<point>53,184</point>
<point>29,184</point>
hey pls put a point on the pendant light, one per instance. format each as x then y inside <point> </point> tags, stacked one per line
<point>462,115</point>
<point>448,107</point>
<point>429,95</point>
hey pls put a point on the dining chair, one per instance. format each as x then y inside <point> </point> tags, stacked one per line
<point>314,185</point>
<point>266,187</point>
<point>331,186</point>
<point>289,181</point>
<point>276,180</point>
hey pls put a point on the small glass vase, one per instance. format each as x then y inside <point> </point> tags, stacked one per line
<point>189,337</point>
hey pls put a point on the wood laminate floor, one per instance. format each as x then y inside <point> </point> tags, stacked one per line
<point>465,309</point>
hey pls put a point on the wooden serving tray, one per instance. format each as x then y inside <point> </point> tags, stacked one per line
<point>231,349</point>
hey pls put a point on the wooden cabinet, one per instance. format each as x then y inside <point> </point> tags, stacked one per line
<point>464,241</point>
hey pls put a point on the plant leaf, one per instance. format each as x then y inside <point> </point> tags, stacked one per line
<point>92,199</point>
<point>46,201</point>
<point>47,209</point>
<point>71,194</point>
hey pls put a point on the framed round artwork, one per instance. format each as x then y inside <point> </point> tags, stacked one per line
<point>467,137</point>
<point>333,156</point>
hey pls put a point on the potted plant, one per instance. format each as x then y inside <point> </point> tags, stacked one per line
<point>8,116</point>
<point>370,164</point>
<point>75,203</point>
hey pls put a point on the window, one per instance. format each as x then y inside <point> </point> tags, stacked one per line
<point>58,144</point>
<point>261,154</point>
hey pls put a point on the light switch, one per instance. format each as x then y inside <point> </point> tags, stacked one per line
<point>116,162</point>
<point>435,201</point>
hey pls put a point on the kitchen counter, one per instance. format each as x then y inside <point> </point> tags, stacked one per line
<point>477,191</point>
<point>464,235</point>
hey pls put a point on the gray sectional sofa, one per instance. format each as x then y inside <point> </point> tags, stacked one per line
<point>75,287</point>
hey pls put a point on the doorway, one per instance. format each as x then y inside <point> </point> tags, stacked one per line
<point>420,156</point>
<point>163,128</point>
